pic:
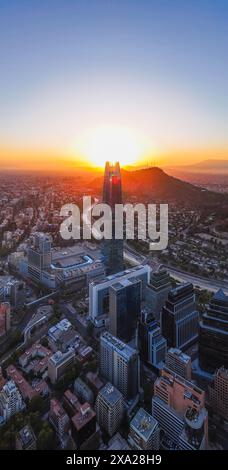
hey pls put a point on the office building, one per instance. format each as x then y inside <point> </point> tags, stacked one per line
<point>119,364</point>
<point>157,292</point>
<point>26,439</point>
<point>179,407</point>
<point>144,432</point>
<point>180,318</point>
<point>2,379</point>
<point>179,363</point>
<point>213,344</point>
<point>218,393</point>
<point>11,401</point>
<point>83,392</point>
<point>59,363</point>
<point>157,345</point>
<point>60,422</point>
<point>109,408</point>
<point>99,290</point>
<point>4,318</point>
<point>151,344</point>
<point>39,256</point>
<point>124,308</point>
<point>26,390</point>
<point>83,424</point>
<point>112,250</point>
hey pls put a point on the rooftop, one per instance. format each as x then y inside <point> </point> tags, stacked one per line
<point>177,352</point>
<point>110,394</point>
<point>83,416</point>
<point>143,423</point>
<point>122,348</point>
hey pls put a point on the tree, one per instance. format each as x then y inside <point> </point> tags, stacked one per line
<point>36,404</point>
<point>90,328</point>
<point>46,438</point>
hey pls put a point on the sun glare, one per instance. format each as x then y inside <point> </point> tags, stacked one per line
<point>112,144</point>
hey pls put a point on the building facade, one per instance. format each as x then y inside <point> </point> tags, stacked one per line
<point>109,408</point>
<point>119,364</point>
<point>157,292</point>
<point>124,308</point>
<point>213,331</point>
<point>180,317</point>
<point>112,249</point>
<point>179,363</point>
<point>144,432</point>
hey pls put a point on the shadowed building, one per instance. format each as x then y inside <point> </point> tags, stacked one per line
<point>157,292</point>
<point>213,334</point>
<point>179,317</point>
<point>112,249</point>
<point>124,308</point>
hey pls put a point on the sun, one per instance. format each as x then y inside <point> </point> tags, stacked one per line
<point>112,144</point>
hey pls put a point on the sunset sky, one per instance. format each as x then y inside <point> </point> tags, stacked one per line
<point>86,80</point>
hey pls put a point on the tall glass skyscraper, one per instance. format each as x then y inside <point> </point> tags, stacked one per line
<point>112,250</point>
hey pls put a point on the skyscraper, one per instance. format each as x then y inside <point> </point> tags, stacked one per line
<point>124,308</point>
<point>119,364</point>
<point>99,290</point>
<point>213,344</point>
<point>179,317</point>
<point>157,292</point>
<point>112,249</point>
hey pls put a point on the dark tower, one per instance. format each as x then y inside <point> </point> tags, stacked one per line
<point>112,250</point>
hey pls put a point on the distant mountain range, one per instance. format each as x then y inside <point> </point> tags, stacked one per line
<point>206,166</point>
<point>154,184</point>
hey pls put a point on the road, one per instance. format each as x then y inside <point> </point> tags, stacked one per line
<point>211,285</point>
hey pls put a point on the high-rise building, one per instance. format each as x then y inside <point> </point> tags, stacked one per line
<point>17,293</point>
<point>99,290</point>
<point>218,393</point>
<point>112,249</point>
<point>26,439</point>
<point>83,424</point>
<point>213,344</point>
<point>39,256</point>
<point>179,363</point>
<point>119,364</point>
<point>4,318</point>
<point>180,317</point>
<point>179,407</point>
<point>157,292</point>
<point>11,401</point>
<point>58,363</point>
<point>152,346</point>
<point>124,308</point>
<point>60,421</point>
<point>109,408</point>
<point>157,345</point>
<point>144,432</point>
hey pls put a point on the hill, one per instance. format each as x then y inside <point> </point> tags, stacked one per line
<point>154,184</point>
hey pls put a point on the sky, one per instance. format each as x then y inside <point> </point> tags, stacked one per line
<point>142,80</point>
